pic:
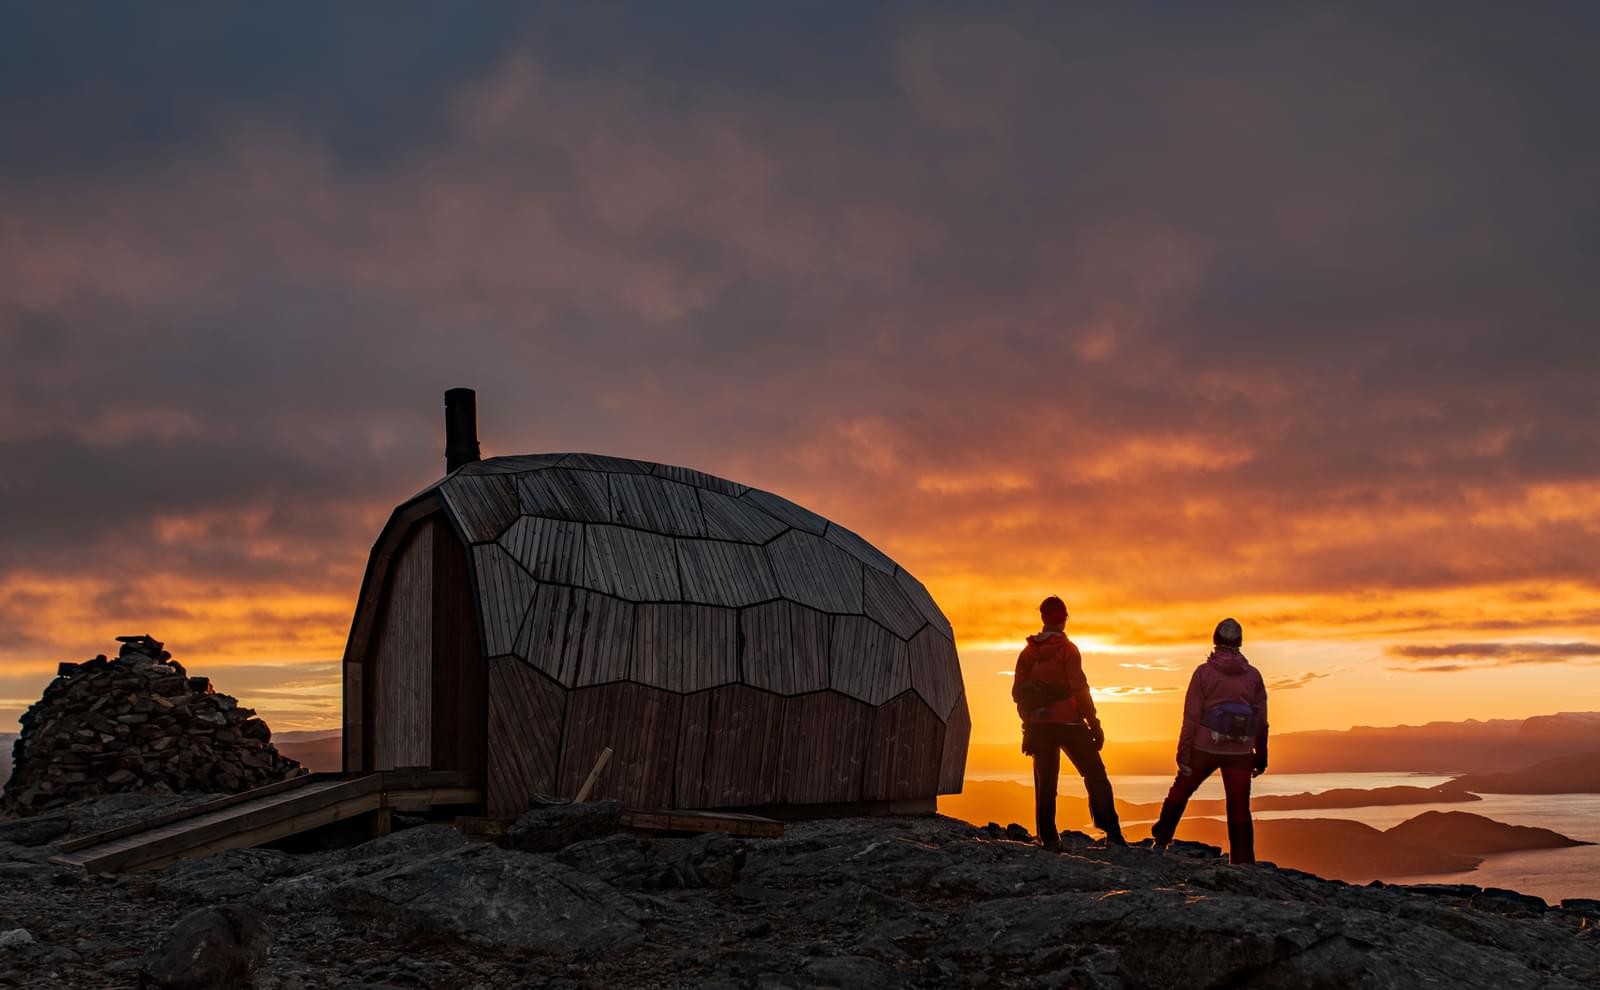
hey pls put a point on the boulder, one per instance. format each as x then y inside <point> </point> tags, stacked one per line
<point>556,825</point>
<point>506,899</point>
<point>35,831</point>
<point>214,948</point>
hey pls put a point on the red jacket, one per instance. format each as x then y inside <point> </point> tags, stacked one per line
<point>1225,676</point>
<point>1051,659</point>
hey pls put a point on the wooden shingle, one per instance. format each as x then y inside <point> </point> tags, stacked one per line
<point>577,637</point>
<point>885,603</point>
<point>700,479</point>
<point>814,572</point>
<point>504,591</point>
<point>918,596</point>
<point>866,661</point>
<point>935,670</point>
<point>686,647</point>
<point>785,647</point>
<point>631,564</point>
<point>550,549</point>
<point>957,733</point>
<point>483,505</point>
<point>785,511</point>
<point>580,496</point>
<point>655,504</point>
<point>858,548</point>
<point>716,572</point>
<point>732,519</point>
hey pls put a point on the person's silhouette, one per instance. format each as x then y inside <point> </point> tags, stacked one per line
<point>1224,728</point>
<point>1052,696</point>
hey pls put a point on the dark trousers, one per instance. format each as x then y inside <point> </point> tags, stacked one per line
<point>1235,782</point>
<point>1046,743</point>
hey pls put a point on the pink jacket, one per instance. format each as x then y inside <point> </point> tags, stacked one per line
<point>1225,676</point>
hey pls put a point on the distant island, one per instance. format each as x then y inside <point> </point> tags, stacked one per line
<point>1575,774</point>
<point>1433,842</point>
<point>982,801</point>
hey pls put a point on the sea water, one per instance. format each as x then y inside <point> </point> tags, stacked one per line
<point>1548,873</point>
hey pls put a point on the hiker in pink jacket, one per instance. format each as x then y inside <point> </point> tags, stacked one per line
<point>1224,728</point>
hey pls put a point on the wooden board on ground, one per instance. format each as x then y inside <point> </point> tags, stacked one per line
<point>264,815</point>
<point>732,823</point>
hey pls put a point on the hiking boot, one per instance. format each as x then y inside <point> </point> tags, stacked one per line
<point>1051,844</point>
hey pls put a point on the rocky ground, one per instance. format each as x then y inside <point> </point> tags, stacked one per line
<point>923,902</point>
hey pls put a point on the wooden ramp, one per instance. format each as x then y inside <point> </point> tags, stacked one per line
<point>264,815</point>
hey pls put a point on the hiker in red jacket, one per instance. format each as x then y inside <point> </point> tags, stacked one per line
<point>1224,728</point>
<point>1052,696</point>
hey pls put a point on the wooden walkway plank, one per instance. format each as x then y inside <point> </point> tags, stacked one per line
<point>262,815</point>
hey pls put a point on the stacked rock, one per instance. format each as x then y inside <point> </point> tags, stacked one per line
<point>138,722</point>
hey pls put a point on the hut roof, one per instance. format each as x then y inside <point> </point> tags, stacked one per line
<point>596,569</point>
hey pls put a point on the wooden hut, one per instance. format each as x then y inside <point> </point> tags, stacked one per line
<point>732,648</point>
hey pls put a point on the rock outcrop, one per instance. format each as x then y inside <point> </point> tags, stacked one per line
<point>136,723</point>
<point>881,902</point>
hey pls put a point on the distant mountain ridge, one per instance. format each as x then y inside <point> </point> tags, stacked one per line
<point>1468,747</point>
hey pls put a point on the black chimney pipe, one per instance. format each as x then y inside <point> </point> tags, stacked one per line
<point>460,428</point>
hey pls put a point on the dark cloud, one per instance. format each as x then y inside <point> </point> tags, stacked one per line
<point>1279,302</point>
<point>1473,656</point>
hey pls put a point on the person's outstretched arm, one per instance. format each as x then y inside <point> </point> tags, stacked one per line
<point>1191,722</point>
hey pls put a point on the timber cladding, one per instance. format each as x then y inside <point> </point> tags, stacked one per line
<point>732,649</point>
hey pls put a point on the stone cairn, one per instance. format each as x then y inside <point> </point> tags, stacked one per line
<point>137,723</point>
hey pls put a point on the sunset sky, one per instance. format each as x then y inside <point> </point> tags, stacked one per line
<point>1178,311</point>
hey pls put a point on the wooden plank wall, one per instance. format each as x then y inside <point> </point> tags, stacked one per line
<point>867,661</point>
<point>686,648</point>
<point>935,670</point>
<point>401,675</point>
<point>525,715</point>
<point>655,504</point>
<point>460,696</point>
<point>731,519</point>
<point>628,563</point>
<point>717,572</point>
<point>957,733</point>
<point>731,752</point>
<point>814,572</point>
<point>785,648</point>
<point>824,747</point>
<point>904,737</point>
<point>640,724</point>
